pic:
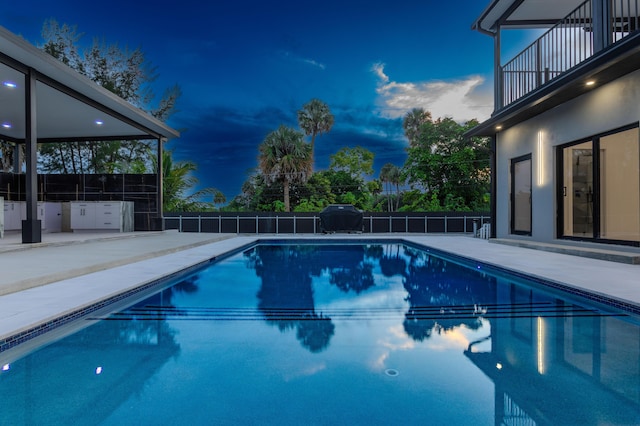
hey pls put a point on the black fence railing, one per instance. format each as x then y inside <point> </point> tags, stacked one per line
<point>309,223</point>
<point>565,45</point>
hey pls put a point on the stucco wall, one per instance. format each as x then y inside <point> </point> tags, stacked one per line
<point>605,108</point>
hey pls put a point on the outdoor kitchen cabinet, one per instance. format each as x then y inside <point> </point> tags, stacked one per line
<point>115,216</point>
<point>16,211</point>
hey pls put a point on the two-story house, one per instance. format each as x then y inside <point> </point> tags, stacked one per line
<point>566,141</point>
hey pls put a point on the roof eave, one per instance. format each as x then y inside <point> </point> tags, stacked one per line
<point>28,55</point>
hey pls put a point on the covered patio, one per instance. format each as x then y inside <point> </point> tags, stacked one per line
<point>45,101</point>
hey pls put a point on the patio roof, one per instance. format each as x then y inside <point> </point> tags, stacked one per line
<point>520,13</point>
<point>44,100</point>
<point>69,106</point>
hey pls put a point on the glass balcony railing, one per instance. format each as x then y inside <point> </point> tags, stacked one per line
<point>568,43</point>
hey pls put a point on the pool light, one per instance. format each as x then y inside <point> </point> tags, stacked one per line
<point>6,367</point>
<point>98,370</point>
<point>499,366</point>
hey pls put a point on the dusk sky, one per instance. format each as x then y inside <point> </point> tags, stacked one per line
<point>247,66</point>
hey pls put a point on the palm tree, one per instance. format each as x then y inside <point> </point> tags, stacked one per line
<point>390,175</point>
<point>285,157</point>
<point>385,173</point>
<point>178,181</point>
<point>395,177</point>
<point>412,122</point>
<point>315,118</point>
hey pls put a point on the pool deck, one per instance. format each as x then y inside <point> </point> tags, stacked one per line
<point>42,282</point>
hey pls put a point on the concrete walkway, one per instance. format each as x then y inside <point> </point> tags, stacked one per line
<point>68,273</point>
<point>65,255</point>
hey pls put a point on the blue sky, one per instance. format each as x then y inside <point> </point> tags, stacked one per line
<point>247,66</point>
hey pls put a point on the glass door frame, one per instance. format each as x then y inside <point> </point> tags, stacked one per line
<point>512,195</point>
<point>596,173</point>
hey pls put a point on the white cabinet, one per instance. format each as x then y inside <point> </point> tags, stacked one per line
<point>16,211</point>
<point>102,215</point>
<point>83,216</point>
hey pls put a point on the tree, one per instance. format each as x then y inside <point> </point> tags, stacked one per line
<point>358,161</point>
<point>284,157</point>
<point>127,74</point>
<point>178,186</point>
<point>413,122</point>
<point>391,175</point>
<point>452,171</point>
<point>315,118</point>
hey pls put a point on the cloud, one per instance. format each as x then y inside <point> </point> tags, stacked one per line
<point>461,99</point>
<point>314,63</point>
<point>304,60</point>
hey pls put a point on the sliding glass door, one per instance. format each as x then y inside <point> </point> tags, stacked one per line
<point>600,191</point>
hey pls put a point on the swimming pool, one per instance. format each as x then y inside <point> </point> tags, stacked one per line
<point>337,334</point>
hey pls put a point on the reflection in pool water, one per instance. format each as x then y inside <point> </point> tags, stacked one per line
<point>336,334</point>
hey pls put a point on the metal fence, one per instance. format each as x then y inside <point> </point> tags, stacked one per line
<point>568,43</point>
<point>309,223</point>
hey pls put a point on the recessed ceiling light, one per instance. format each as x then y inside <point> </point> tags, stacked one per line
<point>99,122</point>
<point>590,82</point>
<point>7,125</point>
<point>9,84</point>
<point>498,127</point>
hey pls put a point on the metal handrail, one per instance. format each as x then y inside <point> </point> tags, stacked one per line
<point>568,43</point>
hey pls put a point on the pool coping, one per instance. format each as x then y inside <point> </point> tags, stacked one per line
<point>140,276</point>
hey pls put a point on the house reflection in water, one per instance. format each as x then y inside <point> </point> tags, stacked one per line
<point>89,373</point>
<point>556,363</point>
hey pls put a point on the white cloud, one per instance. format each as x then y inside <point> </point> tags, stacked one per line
<point>461,99</point>
<point>314,63</point>
<point>307,61</point>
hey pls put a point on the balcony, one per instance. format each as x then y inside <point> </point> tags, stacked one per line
<point>581,35</point>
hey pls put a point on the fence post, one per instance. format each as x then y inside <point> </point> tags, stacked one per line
<point>237,224</point>
<point>425,223</point>
<point>406,224</point>
<point>277,231</point>
<point>199,224</point>
<point>256,224</point>
<point>219,224</point>
<point>314,224</point>
<point>294,224</point>
<point>445,225</point>
<point>371,223</point>
<point>390,224</point>
<point>180,223</point>
<point>464,227</point>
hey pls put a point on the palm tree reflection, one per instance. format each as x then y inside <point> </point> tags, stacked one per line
<point>286,297</point>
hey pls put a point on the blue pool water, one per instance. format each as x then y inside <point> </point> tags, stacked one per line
<point>335,334</point>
